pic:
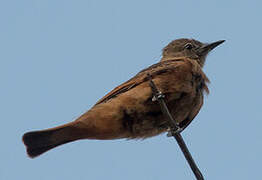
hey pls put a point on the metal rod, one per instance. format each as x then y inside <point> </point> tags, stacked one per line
<point>174,129</point>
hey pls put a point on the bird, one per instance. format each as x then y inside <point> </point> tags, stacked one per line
<point>128,110</point>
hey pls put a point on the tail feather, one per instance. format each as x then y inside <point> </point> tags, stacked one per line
<point>38,142</point>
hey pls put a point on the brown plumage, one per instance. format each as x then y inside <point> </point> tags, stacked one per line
<point>128,111</point>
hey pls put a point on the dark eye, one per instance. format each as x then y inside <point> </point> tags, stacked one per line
<point>188,46</point>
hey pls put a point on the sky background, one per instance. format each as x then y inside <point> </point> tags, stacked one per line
<point>57,58</point>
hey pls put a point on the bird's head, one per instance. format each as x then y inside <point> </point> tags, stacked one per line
<point>189,48</point>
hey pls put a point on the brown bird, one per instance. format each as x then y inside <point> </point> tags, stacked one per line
<point>128,111</point>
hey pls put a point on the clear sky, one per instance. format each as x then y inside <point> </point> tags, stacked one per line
<point>57,58</point>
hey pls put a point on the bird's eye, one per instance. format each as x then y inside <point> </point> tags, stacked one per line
<point>188,46</point>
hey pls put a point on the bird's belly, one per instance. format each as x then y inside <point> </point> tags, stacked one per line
<point>152,122</point>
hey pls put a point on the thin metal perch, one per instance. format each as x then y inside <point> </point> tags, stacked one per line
<point>175,130</point>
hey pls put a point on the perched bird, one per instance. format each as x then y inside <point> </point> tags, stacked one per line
<point>128,110</point>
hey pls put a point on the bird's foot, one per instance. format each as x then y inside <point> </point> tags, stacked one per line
<point>173,131</point>
<point>159,95</point>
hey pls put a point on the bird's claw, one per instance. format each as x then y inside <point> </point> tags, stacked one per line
<point>173,131</point>
<point>159,95</point>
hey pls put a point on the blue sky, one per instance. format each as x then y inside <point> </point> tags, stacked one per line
<point>57,58</point>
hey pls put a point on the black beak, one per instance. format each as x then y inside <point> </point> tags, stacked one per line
<point>206,48</point>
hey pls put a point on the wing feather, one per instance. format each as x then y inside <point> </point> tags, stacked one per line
<point>141,77</point>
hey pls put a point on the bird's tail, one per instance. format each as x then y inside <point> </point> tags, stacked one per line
<point>38,142</point>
